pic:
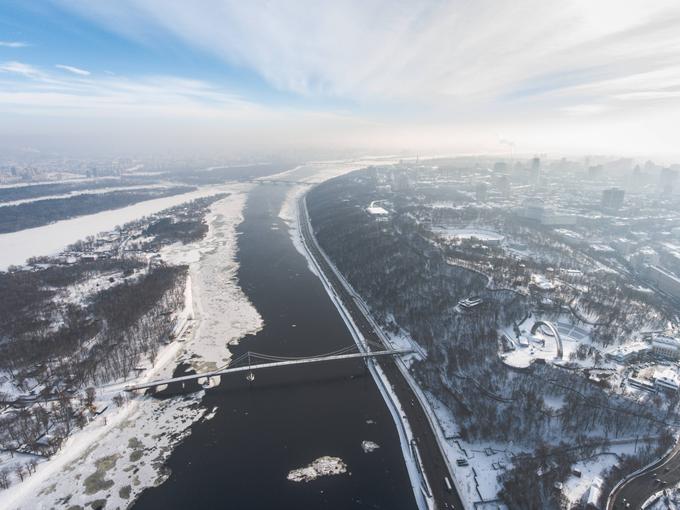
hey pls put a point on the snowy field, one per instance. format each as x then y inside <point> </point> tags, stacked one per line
<point>576,487</point>
<point>122,451</point>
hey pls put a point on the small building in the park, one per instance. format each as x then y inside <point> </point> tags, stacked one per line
<point>666,346</point>
<point>628,352</point>
<point>667,379</point>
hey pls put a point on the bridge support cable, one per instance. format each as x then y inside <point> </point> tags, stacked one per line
<point>239,360</point>
<point>270,357</point>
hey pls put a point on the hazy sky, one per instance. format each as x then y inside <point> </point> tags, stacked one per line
<point>473,76</point>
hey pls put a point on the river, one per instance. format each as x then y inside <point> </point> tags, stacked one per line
<point>286,418</point>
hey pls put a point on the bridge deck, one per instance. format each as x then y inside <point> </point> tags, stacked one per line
<point>274,364</point>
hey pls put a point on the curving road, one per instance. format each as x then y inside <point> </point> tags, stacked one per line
<point>634,492</point>
<point>432,458</point>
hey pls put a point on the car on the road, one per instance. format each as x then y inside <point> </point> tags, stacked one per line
<point>447,484</point>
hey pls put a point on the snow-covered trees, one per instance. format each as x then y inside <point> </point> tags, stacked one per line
<point>413,280</point>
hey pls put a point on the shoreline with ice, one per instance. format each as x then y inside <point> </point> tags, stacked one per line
<point>123,451</point>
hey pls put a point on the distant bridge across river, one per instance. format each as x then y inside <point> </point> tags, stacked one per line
<point>280,181</point>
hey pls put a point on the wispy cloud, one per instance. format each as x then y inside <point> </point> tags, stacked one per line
<point>584,109</point>
<point>25,70</point>
<point>74,70</point>
<point>543,73</point>
<point>28,89</point>
<point>449,54</point>
<point>13,44</point>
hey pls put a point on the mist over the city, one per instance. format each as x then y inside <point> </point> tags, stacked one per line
<point>340,255</point>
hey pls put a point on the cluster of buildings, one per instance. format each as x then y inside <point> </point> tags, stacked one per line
<point>663,377</point>
<point>664,346</point>
<point>534,210</point>
<point>663,280</point>
<point>612,199</point>
<point>55,169</point>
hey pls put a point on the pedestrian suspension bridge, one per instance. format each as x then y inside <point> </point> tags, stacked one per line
<point>250,362</point>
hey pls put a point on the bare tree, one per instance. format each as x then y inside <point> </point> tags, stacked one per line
<point>19,471</point>
<point>4,478</point>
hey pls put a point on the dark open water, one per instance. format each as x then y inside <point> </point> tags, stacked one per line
<point>288,417</point>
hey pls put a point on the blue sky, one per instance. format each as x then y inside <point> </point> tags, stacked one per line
<point>568,75</point>
<point>53,33</point>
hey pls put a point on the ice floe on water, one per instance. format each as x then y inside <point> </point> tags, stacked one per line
<point>323,466</point>
<point>211,414</point>
<point>222,311</point>
<point>369,446</point>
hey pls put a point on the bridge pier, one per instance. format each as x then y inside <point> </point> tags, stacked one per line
<point>210,382</point>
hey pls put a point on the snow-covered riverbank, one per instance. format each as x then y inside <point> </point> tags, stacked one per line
<point>123,451</point>
<point>406,436</point>
<point>314,173</point>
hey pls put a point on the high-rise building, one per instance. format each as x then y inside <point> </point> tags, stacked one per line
<point>595,171</point>
<point>535,172</point>
<point>480,192</point>
<point>667,178</point>
<point>533,209</point>
<point>401,180</point>
<point>664,281</point>
<point>500,166</point>
<point>503,185</point>
<point>612,198</point>
<point>637,179</point>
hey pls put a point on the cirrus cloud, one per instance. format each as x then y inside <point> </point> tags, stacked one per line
<point>13,44</point>
<point>74,70</point>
